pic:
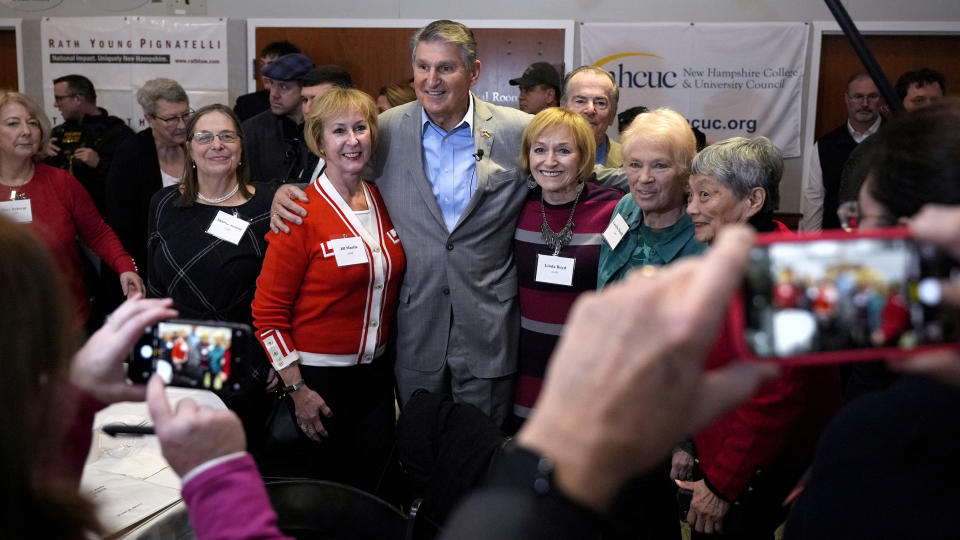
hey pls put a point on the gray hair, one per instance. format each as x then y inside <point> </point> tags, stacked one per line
<point>743,164</point>
<point>161,88</point>
<point>614,95</point>
<point>448,32</point>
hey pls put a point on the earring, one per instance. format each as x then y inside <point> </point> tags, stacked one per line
<point>531,183</point>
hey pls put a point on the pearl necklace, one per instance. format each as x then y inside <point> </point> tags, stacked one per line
<point>219,200</point>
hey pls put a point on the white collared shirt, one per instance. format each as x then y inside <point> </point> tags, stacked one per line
<point>812,191</point>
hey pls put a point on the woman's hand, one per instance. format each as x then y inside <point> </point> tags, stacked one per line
<point>192,435</point>
<point>706,509</point>
<point>285,208</point>
<point>131,284</point>
<point>308,405</point>
<point>97,368</point>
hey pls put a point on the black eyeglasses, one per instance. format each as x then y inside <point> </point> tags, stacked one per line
<point>172,121</point>
<point>206,137</point>
<point>58,99</point>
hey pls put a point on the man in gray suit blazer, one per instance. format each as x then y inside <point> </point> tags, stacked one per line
<point>457,317</point>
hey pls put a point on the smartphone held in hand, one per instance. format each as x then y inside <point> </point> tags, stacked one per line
<point>841,297</point>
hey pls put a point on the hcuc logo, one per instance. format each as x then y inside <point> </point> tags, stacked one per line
<point>640,78</point>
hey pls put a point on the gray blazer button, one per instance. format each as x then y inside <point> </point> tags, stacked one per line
<point>446,290</point>
<point>449,247</point>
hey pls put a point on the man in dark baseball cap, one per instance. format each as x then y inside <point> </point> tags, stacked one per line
<point>539,87</point>
<point>273,140</point>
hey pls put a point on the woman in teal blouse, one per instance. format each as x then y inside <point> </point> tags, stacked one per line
<point>650,225</point>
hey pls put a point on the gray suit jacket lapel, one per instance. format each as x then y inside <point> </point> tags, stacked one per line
<point>413,147</point>
<point>483,134</point>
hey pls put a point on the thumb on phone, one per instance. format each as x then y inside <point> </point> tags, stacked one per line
<point>157,403</point>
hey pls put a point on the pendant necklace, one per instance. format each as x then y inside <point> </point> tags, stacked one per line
<point>557,240</point>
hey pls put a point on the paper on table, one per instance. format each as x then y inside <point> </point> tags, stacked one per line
<point>121,501</point>
<point>127,477</point>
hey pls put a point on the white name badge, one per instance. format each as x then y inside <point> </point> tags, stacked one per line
<point>615,231</point>
<point>19,211</point>
<point>228,228</point>
<point>556,270</point>
<point>348,251</point>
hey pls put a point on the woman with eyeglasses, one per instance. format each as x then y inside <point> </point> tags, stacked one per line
<point>150,160</point>
<point>53,202</point>
<point>206,239</point>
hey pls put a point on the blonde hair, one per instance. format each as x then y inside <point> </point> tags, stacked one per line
<point>35,111</point>
<point>665,127</point>
<point>579,129</point>
<point>333,103</point>
<point>398,93</point>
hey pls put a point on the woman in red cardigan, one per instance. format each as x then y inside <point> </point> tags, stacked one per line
<point>750,458</point>
<point>326,298</point>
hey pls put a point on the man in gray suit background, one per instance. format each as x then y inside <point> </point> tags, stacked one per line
<point>447,166</point>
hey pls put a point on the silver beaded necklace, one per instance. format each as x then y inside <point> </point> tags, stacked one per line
<point>557,240</point>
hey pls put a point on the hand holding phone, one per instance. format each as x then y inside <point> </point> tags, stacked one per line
<point>96,366</point>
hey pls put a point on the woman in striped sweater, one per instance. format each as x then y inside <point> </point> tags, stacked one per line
<point>557,243</point>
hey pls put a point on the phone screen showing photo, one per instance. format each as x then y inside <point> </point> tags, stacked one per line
<point>193,355</point>
<point>807,297</point>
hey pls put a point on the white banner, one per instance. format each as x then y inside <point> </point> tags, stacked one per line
<point>119,54</point>
<point>727,79</point>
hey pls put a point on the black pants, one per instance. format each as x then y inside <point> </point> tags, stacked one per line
<point>645,508</point>
<point>361,431</point>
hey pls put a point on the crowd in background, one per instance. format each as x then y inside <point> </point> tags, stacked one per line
<point>422,242</point>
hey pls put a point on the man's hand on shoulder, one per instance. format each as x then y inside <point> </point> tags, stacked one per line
<point>285,208</point>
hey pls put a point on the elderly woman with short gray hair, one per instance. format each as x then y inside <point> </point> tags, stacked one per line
<point>150,160</point>
<point>749,459</point>
<point>735,181</point>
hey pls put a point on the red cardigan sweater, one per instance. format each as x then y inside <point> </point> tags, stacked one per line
<point>307,307</point>
<point>776,428</point>
<point>62,209</point>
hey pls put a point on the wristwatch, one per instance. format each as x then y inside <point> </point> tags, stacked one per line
<point>520,465</point>
<point>293,387</point>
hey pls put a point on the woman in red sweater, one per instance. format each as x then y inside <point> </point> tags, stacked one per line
<point>55,204</point>
<point>326,298</point>
<point>750,458</point>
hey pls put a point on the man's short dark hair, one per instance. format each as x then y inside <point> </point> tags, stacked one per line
<point>330,73</point>
<point>79,85</point>
<point>920,77</point>
<point>624,118</point>
<point>279,48</point>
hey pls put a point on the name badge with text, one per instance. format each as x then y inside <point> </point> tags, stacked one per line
<point>348,251</point>
<point>615,231</point>
<point>555,270</point>
<point>228,228</point>
<point>20,211</point>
